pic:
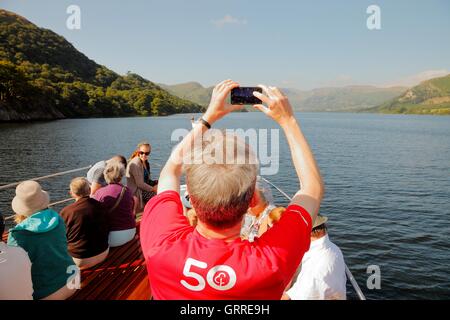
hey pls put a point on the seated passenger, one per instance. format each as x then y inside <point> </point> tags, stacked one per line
<point>322,274</point>
<point>87,226</point>
<point>15,271</point>
<point>138,175</point>
<point>118,202</point>
<point>41,232</point>
<point>256,220</point>
<point>95,173</point>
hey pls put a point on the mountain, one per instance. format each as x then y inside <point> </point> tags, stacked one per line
<point>192,91</point>
<point>43,76</point>
<point>429,97</point>
<point>350,98</point>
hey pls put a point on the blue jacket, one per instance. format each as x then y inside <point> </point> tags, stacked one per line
<point>43,237</point>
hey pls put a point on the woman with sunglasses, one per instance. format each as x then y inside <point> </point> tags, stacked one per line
<point>138,176</point>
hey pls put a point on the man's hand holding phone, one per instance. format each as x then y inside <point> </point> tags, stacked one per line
<point>218,107</point>
<point>278,106</point>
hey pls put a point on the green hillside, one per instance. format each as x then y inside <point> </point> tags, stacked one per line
<point>350,98</point>
<point>192,91</point>
<point>42,76</point>
<point>429,97</point>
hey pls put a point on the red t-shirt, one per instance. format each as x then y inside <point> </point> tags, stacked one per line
<point>182,264</point>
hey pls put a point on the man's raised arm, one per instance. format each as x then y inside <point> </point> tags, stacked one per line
<point>279,109</point>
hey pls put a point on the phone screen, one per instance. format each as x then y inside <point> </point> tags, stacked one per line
<point>244,95</point>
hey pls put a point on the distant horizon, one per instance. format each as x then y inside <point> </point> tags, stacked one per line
<point>290,44</point>
<point>312,89</point>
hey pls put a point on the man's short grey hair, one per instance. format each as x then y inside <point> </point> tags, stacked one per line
<point>220,176</point>
<point>114,172</point>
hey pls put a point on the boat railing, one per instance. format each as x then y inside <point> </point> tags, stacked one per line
<point>11,185</point>
<point>14,184</point>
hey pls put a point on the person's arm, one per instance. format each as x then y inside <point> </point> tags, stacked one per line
<point>169,178</point>
<point>279,109</point>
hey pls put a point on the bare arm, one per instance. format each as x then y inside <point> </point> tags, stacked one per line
<point>169,178</point>
<point>278,108</point>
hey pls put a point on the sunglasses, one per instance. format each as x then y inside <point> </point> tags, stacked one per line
<point>142,152</point>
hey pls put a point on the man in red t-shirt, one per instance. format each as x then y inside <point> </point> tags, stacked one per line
<point>210,261</point>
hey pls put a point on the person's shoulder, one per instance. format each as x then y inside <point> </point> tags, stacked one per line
<point>94,203</point>
<point>66,209</point>
<point>69,209</point>
<point>163,197</point>
<point>102,191</point>
<point>134,161</point>
<point>298,211</point>
<point>334,251</point>
<point>134,164</point>
<point>128,191</point>
<point>97,165</point>
<point>167,195</point>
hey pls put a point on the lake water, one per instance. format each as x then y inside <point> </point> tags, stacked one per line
<point>387,182</point>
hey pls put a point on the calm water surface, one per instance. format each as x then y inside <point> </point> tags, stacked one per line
<point>387,182</point>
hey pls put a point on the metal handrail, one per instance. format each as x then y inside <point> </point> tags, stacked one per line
<point>347,270</point>
<point>14,184</point>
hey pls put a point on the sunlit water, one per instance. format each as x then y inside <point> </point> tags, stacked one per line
<point>387,182</point>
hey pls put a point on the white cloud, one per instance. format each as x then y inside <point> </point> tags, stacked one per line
<point>415,79</point>
<point>228,19</point>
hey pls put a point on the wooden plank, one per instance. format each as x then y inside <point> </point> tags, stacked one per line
<point>139,289</point>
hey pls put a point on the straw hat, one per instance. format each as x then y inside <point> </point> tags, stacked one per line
<point>319,220</point>
<point>29,198</point>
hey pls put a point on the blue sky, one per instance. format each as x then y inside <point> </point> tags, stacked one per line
<point>301,44</point>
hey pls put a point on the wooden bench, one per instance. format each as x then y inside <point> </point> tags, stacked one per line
<point>122,276</point>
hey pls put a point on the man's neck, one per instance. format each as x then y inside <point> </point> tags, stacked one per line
<point>318,237</point>
<point>229,234</point>
<point>78,198</point>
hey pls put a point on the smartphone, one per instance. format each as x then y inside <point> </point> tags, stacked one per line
<point>244,95</point>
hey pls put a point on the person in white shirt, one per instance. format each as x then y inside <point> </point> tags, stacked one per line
<point>322,271</point>
<point>15,271</point>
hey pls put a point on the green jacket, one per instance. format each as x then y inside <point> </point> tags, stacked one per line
<point>43,237</point>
